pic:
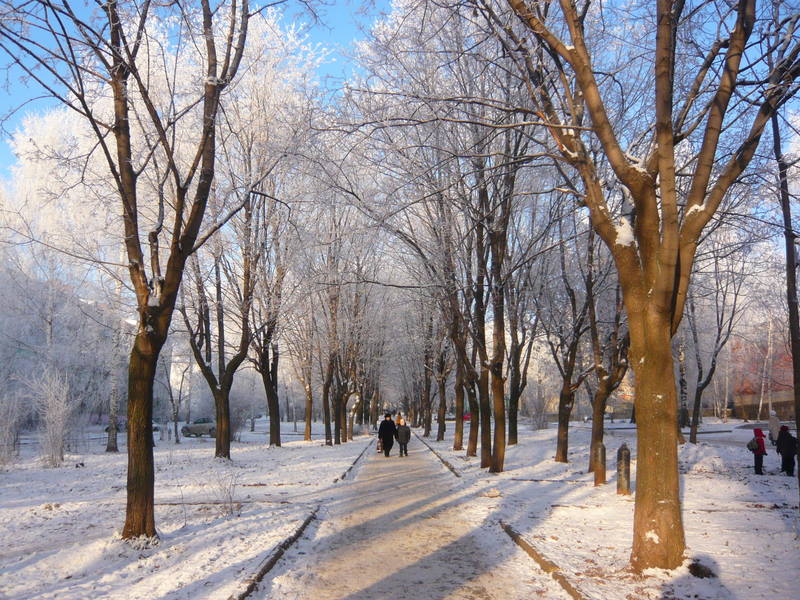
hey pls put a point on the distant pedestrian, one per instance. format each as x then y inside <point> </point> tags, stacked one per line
<point>398,418</point>
<point>787,448</point>
<point>403,437</point>
<point>756,446</point>
<point>774,426</point>
<point>386,433</point>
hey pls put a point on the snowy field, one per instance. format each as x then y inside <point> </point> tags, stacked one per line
<point>217,520</point>
<point>741,525</point>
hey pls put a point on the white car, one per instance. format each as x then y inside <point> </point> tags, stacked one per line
<point>198,427</point>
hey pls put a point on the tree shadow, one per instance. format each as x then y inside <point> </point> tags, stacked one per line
<point>456,561</point>
<point>699,581</point>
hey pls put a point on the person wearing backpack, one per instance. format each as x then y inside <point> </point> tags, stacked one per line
<point>787,448</point>
<point>756,446</point>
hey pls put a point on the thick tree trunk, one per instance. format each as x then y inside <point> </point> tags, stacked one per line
<point>273,409</point>
<point>498,242</point>
<point>485,417</point>
<point>566,399</point>
<point>497,382</point>
<point>657,524</point>
<point>223,426</point>
<point>139,515</point>
<point>601,395</point>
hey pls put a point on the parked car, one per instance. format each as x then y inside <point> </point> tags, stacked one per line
<point>198,427</point>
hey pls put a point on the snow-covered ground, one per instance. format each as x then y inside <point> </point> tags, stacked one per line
<point>741,525</point>
<point>217,520</point>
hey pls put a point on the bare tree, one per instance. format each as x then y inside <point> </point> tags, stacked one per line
<point>654,247</point>
<point>70,57</point>
<point>726,276</point>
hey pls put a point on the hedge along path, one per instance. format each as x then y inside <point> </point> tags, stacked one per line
<point>399,530</point>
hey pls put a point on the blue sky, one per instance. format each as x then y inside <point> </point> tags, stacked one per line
<point>341,23</point>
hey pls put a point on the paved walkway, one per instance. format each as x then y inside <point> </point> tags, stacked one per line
<point>398,532</point>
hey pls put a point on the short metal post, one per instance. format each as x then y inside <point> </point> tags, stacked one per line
<point>624,470</point>
<point>599,462</point>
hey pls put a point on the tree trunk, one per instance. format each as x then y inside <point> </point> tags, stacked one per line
<point>374,405</point>
<point>513,404</point>
<point>326,401</point>
<point>485,417</point>
<point>442,412</point>
<point>498,355</point>
<point>474,423</point>
<point>113,408</point>
<point>175,424</point>
<point>657,524</point>
<point>566,399</point>
<point>337,419</point>
<point>139,514</point>
<point>791,274</point>
<point>427,403</point>
<point>601,395</point>
<point>223,434</point>
<point>326,417</point>
<point>273,408</point>
<point>683,388</point>
<point>698,396</point>
<point>308,412</point>
<point>343,417</point>
<point>458,436</point>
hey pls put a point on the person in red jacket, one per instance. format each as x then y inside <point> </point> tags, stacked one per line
<point>759,452</point>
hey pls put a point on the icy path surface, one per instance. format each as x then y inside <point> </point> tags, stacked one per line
<point>397,531</point>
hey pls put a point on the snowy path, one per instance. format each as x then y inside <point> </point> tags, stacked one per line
<point>398,531</point>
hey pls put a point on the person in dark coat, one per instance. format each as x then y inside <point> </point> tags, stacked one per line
<point>387,432</point>
<point>759,452</point>
<point>787,448</point>
<point>403,437</point>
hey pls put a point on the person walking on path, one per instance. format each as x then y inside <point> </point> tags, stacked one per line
<point>774,426</point>
<point>403,437</point>
<point>787,448</point>
<point>756,446</point>
<point>387,432</point>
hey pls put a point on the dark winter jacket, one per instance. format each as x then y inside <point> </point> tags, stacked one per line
<point>787,443</point>
<point>387,430</point>
<point>404,434</point>
<point>760,439</point>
